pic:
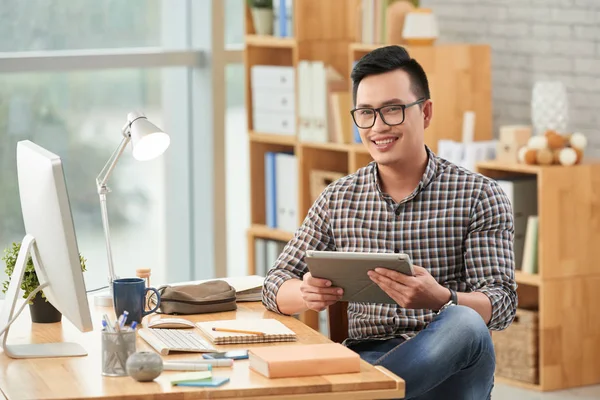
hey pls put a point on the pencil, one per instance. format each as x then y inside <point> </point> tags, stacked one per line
<point>237,331</point>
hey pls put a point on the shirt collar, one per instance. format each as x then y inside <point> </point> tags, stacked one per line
<point>428,176</point>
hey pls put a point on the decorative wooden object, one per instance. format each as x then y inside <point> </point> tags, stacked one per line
<point>511,139</point>
<point>459,76</point>
<point>565,290</point>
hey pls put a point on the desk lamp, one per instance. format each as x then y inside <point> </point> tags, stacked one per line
<point>148,142</point>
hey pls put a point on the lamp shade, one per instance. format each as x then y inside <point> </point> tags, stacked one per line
<point>147,139</point>
<point>420,27</point>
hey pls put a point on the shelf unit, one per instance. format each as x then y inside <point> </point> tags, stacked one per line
<point>565,290</point>
<point>460,80</point>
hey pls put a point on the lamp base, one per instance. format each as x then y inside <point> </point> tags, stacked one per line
<point>104,299</point>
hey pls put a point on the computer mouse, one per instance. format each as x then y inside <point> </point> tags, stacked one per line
<point>170,323</point>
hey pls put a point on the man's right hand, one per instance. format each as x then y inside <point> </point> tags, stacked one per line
<point>318,294</point>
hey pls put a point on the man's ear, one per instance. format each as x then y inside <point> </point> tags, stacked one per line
<point>427,113</point>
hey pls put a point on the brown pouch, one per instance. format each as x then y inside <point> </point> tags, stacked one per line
<point>200,298</point>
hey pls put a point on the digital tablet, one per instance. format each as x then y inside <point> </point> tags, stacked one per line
<point>348,270</point>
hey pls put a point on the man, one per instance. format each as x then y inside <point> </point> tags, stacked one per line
<point>456,226</point>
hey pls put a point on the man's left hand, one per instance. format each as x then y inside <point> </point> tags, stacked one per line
<point>420,291</point>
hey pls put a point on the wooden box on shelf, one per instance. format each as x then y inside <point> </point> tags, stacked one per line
<point>565,290</point>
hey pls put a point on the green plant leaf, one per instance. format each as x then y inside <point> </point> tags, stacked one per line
<point>30,280</point>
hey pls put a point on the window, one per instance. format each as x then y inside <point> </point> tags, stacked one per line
<point>79,113</point>
<point>79,116</point>
<point>78,24</point>
<point>238,178</point>
<point>234,22</point>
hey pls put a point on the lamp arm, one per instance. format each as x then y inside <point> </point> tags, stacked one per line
<point>111,163</point>
<point>102,191</point>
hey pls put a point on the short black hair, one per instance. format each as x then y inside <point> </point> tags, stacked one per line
<point>390,58</point>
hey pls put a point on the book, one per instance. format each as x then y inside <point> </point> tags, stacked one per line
<point>293,361</point>
<point>530,252</point>
<point>209,382</point>
<point>272,329</point>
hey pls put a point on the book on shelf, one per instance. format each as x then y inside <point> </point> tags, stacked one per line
<point>266,253</point>
<point>316,81</point>
<point>281,191</point>
<point>530,251</point>
<point>290,361</point>
<point>283,18</point>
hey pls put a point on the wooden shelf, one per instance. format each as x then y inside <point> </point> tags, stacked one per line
<point>527,279</point>
<point>264,232</point>
<point>517,383</point>
<point>345,147</point>
<point>270,41</point>
<point>272,138</point>
<point>364,47</point>
<point>510,167</point>
<point>568,235</point>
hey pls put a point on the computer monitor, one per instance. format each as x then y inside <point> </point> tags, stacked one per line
<point>51,241</point>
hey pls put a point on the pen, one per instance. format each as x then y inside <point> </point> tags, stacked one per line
<point>108,326</point>
<point>183,366</point>
<point>133,325</point>
<point>123,318</point>
<point>222,362</point>
<point>237,331</point>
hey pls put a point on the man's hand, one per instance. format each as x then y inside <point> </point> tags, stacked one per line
<point>318,294</point>
<point>421,291</point>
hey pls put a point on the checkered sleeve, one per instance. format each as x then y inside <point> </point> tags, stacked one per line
<point>489,255</point>
<point>314,234</point>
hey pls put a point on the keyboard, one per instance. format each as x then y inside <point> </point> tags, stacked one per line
<point>165,341</point>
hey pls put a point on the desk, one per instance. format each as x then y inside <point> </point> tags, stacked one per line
<point>81,378</point>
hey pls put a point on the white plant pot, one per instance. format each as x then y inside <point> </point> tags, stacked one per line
<point>263,21</point>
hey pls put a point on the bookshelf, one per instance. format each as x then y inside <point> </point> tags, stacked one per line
<point>460,80</point>
<point>565,290</point>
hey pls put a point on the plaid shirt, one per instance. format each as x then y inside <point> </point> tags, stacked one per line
<point>457,224</point>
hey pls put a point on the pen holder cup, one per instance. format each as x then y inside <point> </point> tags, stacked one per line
<point>116,348</point>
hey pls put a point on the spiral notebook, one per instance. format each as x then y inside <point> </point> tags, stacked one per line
<point>272,329</point>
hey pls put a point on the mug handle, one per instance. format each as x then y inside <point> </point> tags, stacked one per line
<point>144,312</point>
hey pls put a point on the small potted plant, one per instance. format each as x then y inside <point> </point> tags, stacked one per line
<point>40,309</point>
<point>262,16</point>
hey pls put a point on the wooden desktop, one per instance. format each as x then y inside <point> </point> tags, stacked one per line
<point>81,378</point>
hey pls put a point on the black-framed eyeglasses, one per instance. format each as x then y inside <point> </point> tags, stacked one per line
<point>392,114</point>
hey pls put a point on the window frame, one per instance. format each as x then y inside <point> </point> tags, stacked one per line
<point>196,237</point>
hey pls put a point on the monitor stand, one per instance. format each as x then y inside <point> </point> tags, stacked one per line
<point>8,315</point>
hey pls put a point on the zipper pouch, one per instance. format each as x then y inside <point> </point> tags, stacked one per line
<point>200,298</point>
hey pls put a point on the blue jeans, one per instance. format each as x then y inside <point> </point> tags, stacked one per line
<point>453,358</point>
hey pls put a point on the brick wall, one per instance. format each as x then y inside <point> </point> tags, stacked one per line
<point>533,40</point>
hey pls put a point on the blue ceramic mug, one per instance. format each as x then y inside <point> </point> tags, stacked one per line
<point>129,294</point>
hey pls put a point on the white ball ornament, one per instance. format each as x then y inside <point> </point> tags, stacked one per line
<point>537,142</point>
<point>578,140</point>
<point>567,156</point>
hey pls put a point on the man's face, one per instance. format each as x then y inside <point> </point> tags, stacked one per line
<point>387,144</point>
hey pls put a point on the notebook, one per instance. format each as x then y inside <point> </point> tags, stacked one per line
<point>189,377</point>
<point>291,361</point>
<point>274,331</point>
